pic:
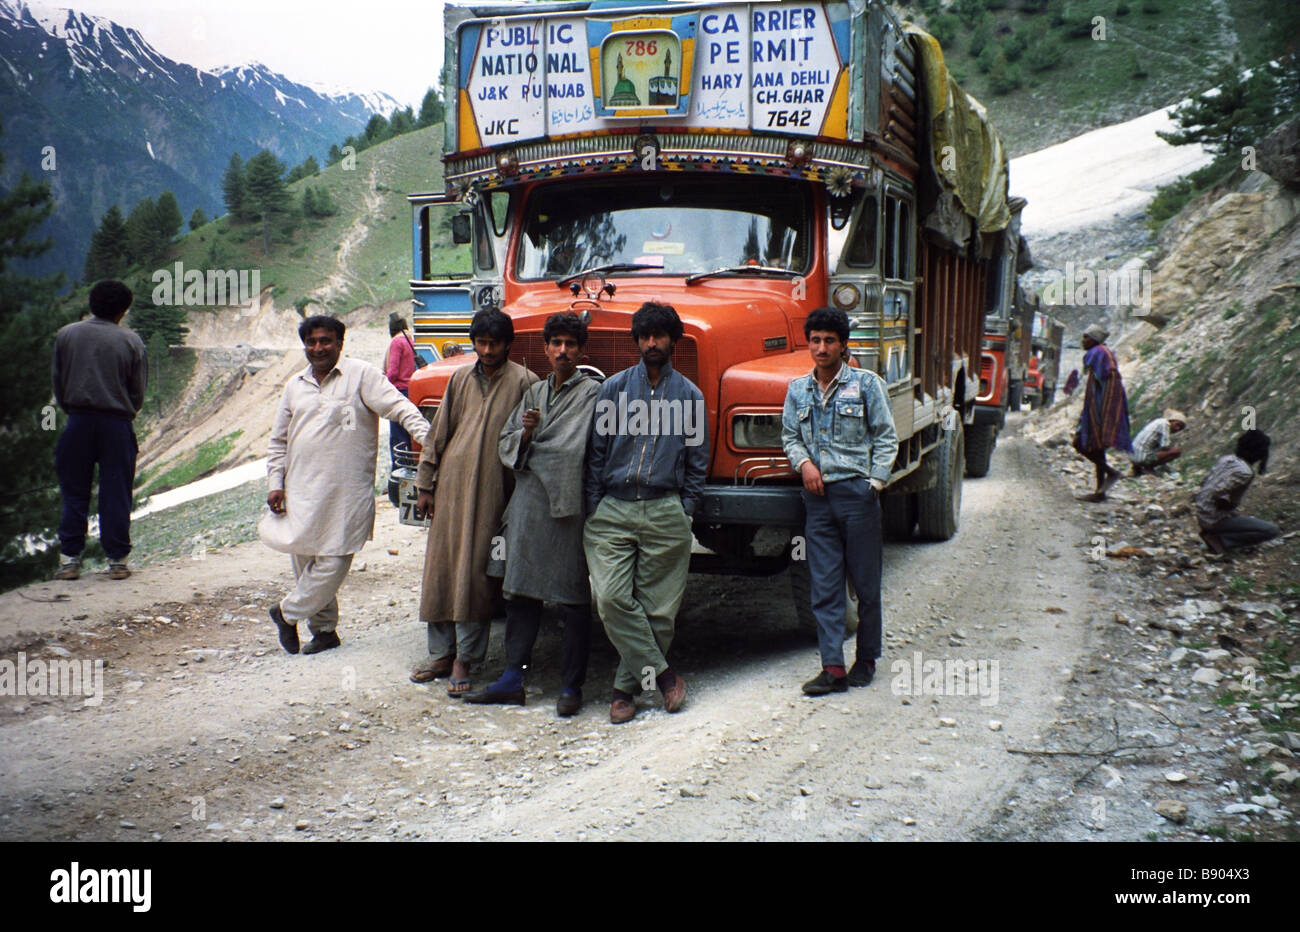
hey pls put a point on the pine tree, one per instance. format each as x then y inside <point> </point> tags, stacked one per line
<point>143,238</point>
<point>307,169</point>
<point>432,109</point>
<point>1238,111</point>
<point>232,188</point>
<point>29,502</point>
<point>198,218</point>
<point>107,254</point>
<point>166,322</point>
<point>169,216</point>
<point>335,156</point>
<point>402,121</point>
<point>377,130</point>
<point>265,191</point>
<point>316,202</point>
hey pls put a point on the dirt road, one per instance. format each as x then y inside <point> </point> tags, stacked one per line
<point>206,730</point>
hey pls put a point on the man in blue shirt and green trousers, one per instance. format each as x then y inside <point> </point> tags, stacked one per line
<point>838,433</point>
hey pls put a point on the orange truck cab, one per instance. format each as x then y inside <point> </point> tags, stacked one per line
<point>745,163</point>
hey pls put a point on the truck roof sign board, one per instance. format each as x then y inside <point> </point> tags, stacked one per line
<point>767,67</point>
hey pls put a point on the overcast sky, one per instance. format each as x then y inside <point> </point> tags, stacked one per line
<point>386,45</point>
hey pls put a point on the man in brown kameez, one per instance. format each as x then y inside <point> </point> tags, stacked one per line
<point>464,486</point>
<point>545,444</point>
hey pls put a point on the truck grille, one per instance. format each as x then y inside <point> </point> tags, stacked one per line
<point>609,352</point>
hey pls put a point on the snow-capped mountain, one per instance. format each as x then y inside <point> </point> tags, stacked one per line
<point>269,86</point>
<point>125,121</point>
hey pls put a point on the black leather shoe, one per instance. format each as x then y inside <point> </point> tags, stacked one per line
<point>288,632</point>
<point>568,704</point>
<point>824,683</point>
<point>490,696</point>
<point>862,672</point>
<point>320,642</point>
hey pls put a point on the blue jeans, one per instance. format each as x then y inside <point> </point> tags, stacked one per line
<point>842,531</point>
<point>109,441</point>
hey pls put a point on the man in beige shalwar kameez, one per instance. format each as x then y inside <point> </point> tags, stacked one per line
<point>321,473</point>
<point>464,485</point>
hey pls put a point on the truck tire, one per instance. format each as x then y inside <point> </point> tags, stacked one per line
<point>1013,396</point>
<point>939,507</point>
<point>1051,397</point>
<point>980,441</point>
<point>897,515</point>
<point>801,592</point>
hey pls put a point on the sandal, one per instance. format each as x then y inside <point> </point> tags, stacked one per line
<point>432,670</point>
<point>458,688</point>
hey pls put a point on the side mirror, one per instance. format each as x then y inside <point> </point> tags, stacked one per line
<point>460,229</point>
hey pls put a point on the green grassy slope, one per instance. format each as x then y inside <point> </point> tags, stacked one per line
<point>1153,55</point>
<point>374,191</point>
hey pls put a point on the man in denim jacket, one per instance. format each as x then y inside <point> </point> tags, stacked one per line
<point>838,433</point>
<point>647,459</point>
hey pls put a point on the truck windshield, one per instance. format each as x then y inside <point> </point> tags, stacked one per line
<point>678,225</point>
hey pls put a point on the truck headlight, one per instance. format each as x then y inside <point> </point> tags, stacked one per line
<point>756,431</point>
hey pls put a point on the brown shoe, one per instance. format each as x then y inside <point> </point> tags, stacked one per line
<point>675,695</point>
<point>118,570</point>
<point>1214,542</point>
<point>621,710</point>
<point>69,570</point>
<point>432,670</point>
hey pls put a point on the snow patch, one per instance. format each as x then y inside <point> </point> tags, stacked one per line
<point>1092,178</point>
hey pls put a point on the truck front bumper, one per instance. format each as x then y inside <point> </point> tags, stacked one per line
<point>771,506</point>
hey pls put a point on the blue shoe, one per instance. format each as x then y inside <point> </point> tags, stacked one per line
<point>496,694</point>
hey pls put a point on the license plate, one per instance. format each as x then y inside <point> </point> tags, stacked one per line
<point>407,494</point>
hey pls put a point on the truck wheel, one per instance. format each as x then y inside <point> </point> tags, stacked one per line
<point>980,441</point>
<point>1051,397</point>
<point>1013,396</point>
<point>897,515</point>
<point>801,591</point>
<point>938,508</point>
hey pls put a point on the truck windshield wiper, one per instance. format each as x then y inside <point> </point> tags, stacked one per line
<point>741,270</point>
<point>617,267</point>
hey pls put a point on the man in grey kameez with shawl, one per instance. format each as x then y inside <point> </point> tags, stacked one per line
<point>321,474</point>
<point>463,485</point>
<point>545,443</point>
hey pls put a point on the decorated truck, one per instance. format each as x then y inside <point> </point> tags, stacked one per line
<point>1004,360</point>
<point>1048,332</point>
<point>745,163</point>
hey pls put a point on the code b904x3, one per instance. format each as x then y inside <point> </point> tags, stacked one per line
<point>1225,873</point>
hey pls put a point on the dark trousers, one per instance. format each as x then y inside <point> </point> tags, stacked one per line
<point>524,618</point>
<point>1244,531</point>
<point>842,530</point>
<point>397,434</point>
<point>109,441</point>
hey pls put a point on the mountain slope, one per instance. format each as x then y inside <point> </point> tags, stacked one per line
<point>125,122</point>
<point>1155,53</point>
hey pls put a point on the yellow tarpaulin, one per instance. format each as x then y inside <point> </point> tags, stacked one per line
<point>968,155</point>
